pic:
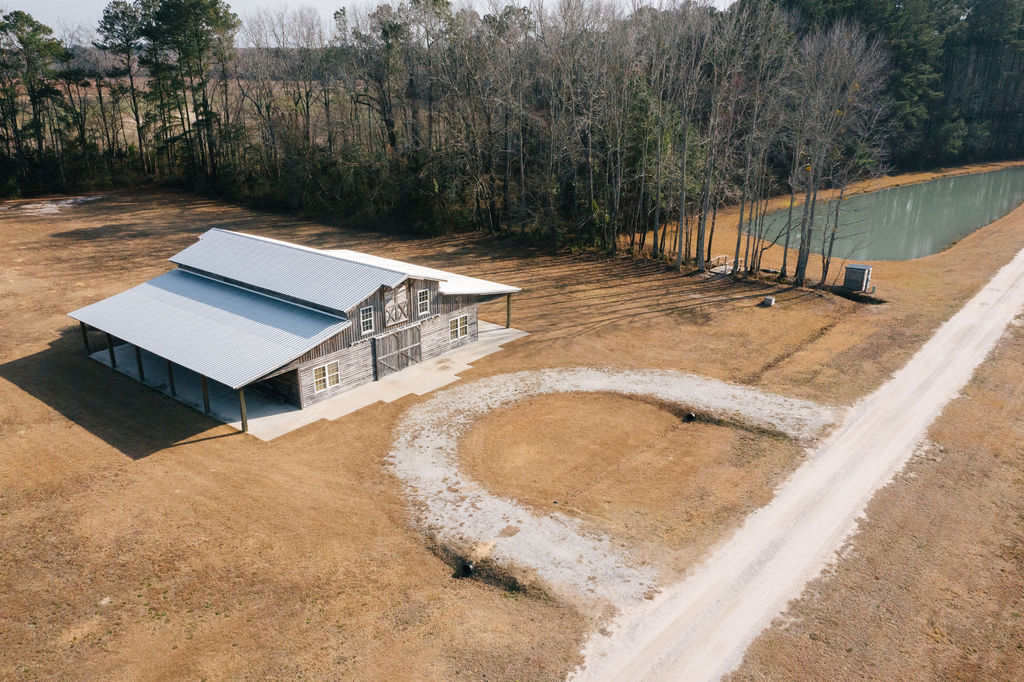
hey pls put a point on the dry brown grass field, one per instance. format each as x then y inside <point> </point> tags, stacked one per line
<point>933,585</point>
<point>634,469</point>
<point>140,539</point>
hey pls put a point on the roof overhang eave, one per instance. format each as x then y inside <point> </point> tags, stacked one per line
<point>234,383</point>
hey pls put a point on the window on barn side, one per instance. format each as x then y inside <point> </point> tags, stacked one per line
<point>423,302</point>
<point>366,320</point>
<point>326,376</point>
<point>458,327</point>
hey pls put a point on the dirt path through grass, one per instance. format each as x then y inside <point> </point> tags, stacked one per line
<point>701,628</point>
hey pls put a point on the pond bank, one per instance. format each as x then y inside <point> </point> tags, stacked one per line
<point>724,238</point>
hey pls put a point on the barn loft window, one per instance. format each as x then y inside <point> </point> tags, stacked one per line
<point>325,376</point>
<point>396,305</point>
<point>458,327</point>
<point>366,320</point>
<point>423,302</point>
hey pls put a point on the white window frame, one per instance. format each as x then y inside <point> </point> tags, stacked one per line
<point>423,302</point>
<point>331,376</point>
<point>458,327</point>
<point>364,319</point>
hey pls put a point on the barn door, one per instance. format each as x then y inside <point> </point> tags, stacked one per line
<point>397,351</point>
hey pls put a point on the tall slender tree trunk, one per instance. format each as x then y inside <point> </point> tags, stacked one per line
<point>751,221</point>
<point>705,198</point>
<point>682,198</point>
<point>806,227</point>
<point>133,97</point>
<point>827,259</point>
<point>711,232</point>
<point>657,190</point>
<point>789,229</point>
<point>739,229</point>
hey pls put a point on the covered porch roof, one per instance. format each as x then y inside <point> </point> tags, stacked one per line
<point>229,334</point>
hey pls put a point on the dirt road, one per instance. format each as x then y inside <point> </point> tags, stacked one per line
<point>699,629</point>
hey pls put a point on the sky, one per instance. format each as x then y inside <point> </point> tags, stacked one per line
<point>62,15</point>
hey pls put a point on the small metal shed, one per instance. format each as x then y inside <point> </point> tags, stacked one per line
<point>858,278</point>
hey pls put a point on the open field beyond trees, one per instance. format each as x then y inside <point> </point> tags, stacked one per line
<point>139,538</point>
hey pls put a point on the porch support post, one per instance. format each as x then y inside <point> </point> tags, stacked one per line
<point>170,378</point>
<point>110,350</point>
<point>508,311</point>
<point>206,394</point>
<point>241,406</point>
<point>373,358</point>
<point>85,337</point>
<point>138,363</point>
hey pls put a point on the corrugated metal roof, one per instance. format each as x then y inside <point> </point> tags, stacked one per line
<point>450,283</point>
<point>291,270</point>
<point>222,331</point>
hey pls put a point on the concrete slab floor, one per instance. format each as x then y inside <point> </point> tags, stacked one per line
<point>269,419</point>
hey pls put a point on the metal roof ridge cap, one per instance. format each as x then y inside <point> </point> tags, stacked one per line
<point>408,275</point>
<point>300,247</point>
<point>252,291</point>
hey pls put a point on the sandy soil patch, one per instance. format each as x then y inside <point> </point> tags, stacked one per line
<point>672,484</point>
<point>560,551</point>
<point>52,207</point>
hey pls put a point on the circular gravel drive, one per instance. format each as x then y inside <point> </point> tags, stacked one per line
<point>561,551</point>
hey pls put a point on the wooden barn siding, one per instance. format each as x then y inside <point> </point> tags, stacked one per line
<point>283,387</point>
<point>397,350</point>
<point>357,361</point>
<point>435,338</point>
<point>377,301</point>
<point>438,305</point>
<point>450,304</point>
<point>355,367</point>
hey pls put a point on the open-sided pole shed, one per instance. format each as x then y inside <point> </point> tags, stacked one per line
<point>219,331</point>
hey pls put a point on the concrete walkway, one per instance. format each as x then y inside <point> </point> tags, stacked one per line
<point>269,419</point>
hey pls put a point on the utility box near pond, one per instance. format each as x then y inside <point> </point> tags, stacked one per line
<point>858,278</point>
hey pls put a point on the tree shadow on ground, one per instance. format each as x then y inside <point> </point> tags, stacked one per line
<point>130,417</point>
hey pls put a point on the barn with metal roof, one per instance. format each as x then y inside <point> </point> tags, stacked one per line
<point>295,324</point>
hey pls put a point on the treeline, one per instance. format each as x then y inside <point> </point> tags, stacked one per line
<point>611,129</point>
<point>957,74</point>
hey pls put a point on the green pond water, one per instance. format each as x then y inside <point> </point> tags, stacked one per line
<point>912,221</point>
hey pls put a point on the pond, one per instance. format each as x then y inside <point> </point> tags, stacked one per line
<point>912,221</point>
